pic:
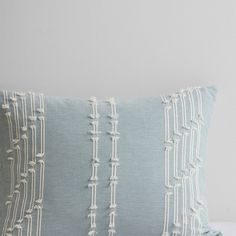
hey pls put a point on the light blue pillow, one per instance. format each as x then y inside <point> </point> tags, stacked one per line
<point>127,168</point>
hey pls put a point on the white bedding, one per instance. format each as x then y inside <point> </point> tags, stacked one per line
<point>227,228</point>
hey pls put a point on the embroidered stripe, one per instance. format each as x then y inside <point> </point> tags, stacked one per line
<point>16,203</point>
<point>41,160</point>
<point>20,165</point>
<point>39,219</point>
<point>32,195</point>
<point>16,115</point>
<point>29,224</point>
<point>19,229</point>
<point>12,170</point>
<point>94,116</point>
<point>25,191</point>
<point>16,147</point>
<point>24,110</point>
<point>8,204</point>
<point>114,135</point>
<point>32,162</point>
<point>23,175</point>
<point>24,181</point>
<point>199,120</point>
<point>167,147</point>
<point>193,164</point>
<point>185,176</point>
<point>176,138</point>
<point>6,108</point>
<point>24,128</point>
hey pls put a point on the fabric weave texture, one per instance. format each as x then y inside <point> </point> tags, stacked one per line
<point>110,167</point>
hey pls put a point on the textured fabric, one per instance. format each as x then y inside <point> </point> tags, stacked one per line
<point>114,167</point>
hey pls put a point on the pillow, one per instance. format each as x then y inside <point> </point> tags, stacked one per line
<point>128,168</point>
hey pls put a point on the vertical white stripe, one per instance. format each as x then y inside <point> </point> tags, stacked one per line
<point>176,138</point>
<point>184,167</point>
<point>19,229</point>
<point>6,108</point>
<point>24,111</point>
<point>167,147</point>
<point>190,163</point>
<point>114,135</point>
<point>32,189</point>
<point>194,164</point>
<point>16,203</point>
<point>23,173</point>
<point>23,204</point>
<point>21,170</point>
<point>16,116</point>
<point>24,137</point>
<point>14,186</point>
<point>8,203</point>
<point>41,160</point>
<point>26,157</point>
<point>29,224</point>
<point>39,220</point>
<point>199,120</point>
<point>12,170</point>
<point>18,171</point>
<point>95,163</point>
<point>32,172</point>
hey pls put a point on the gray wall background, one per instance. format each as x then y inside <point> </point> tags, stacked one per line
<point>130,48</point>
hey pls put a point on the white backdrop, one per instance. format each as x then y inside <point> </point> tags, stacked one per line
<point>130,48</point>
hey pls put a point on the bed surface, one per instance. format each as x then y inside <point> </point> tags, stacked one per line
<point>227,228</point>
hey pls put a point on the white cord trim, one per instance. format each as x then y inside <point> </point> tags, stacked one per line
<point>24,200</point>
<point>176,138</point>
<point>6,108</point>
<point>198,160</point>
<point>18,171</point>
<point>189,166</point>
<point>28,216</point>
<point>8,203</point>
<point>39,219</point>
<point>14,187</point>
<point>184,170</point>
<point>16,116</point>
<point>191,162</point>
<point>21,168</point>
<point>24,111</point>
<point>16,203</point>
<point>184,203</point>
<point>32,172</point>
<point>197,121</point>
<point>22,176</point>
<point>114,135</point>
<point>32,189</point>
<point>94,116</point>
<point>167,147</point>
<point>40,156</point>
<point>19,229</point>
<point>16,141</point>
<point>24,137</point>
<point>12,170</point>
